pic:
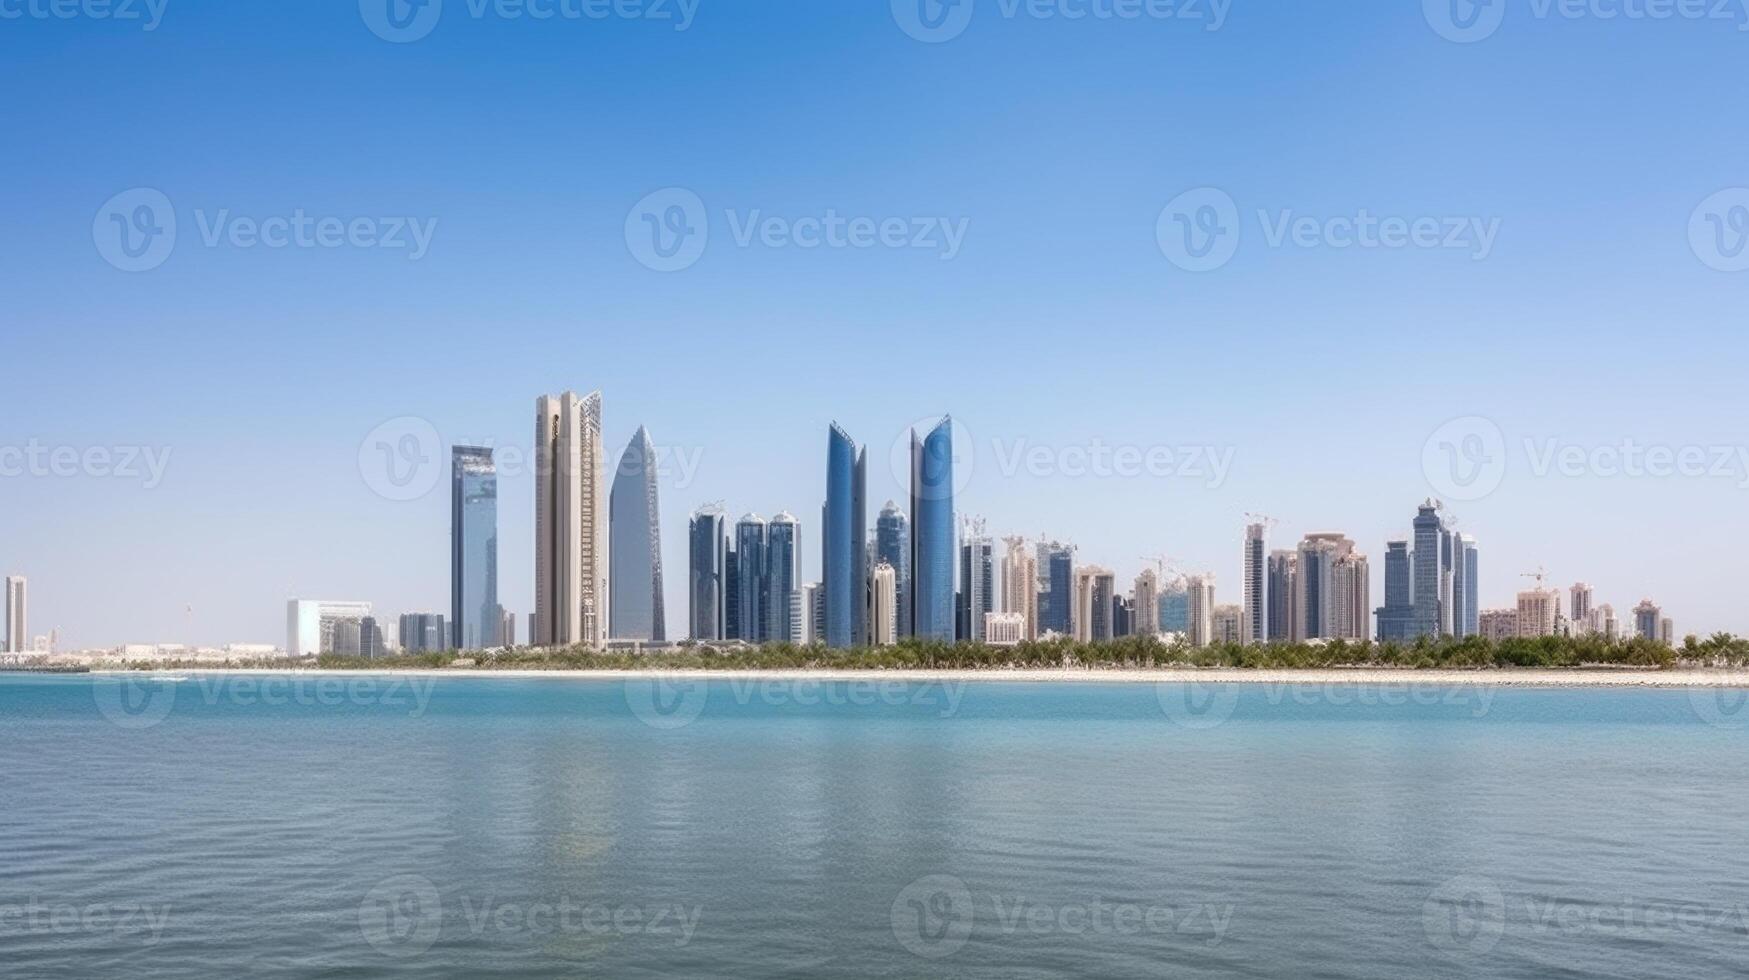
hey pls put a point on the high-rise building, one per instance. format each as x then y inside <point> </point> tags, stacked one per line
<point>1056,600</point>
<point>893,546</point>
<point>1255,625</point>
<point>1606,623</point>
<point>16,615</point>
<point>315,627</point>
<point>844,548</point>
<point>424,633</point>
<point>570,523</point>
<point>783,577</point>
<point>1020,587</point>
<point>1175,608</point>
<point>883,604</point>
<point>1227,625</point>
<point>635,546</point>
<point>1397,616</point>
<point>707,574</point>
<point>932,534</point>
<point>1498,624</point>
<point>731,593</point>
<point>977,592</point>
<point>370,639</point>
<point>507,632</point>
<point>809,627</point>
<point>1579,595</point>
<point>1351,594</point>
<point>475,616</point>
<point>1201,591</point>
<point>1429,572</point>
<point>1648,620</point>
<point>1095,595</point>
<point>1466,600</point>
<point>1667,631</point>
<point>1538,610</point>
<point>1333,590</point>
<point>752,588</point>
<point>1123,616</point>
<point>1282,590</point>
<point>1146,603</point>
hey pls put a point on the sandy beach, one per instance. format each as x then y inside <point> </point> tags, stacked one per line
<point>1367,676</point>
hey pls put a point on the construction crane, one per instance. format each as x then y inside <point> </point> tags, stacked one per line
<point>1539,575</point>
<point>1263,519</point>
<point>1167,569</point>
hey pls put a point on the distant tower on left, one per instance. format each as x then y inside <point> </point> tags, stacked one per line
<point>475,617</point>
<point>570,523</point>
<point>16,634</point>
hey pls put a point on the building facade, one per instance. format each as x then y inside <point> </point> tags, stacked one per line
<point>844,532</point>
<point>637,610</point>
<point>1255,625</point>
<point>1020,591</point>
<point>570,523</point>
<point>707,574</point>
<point>475,616</point>
<point>17,615</point>
<point>932,534</point>
<point>884,604</point>
<point>1095,602</point>
<point>752,588</point>
<point>977,586</point>
<point>893,546</point>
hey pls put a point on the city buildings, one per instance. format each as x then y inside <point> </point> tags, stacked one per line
<point>1145,604</point>
<point>1200,590</point>
<point>1332,590</point>
<point>707,573</point>
<point>423,633</point>
<point>884,604</point>
<point>1396,618</point>
<point>570,523</point>
<point>1004,629</point>
<point>1466,584</point>
<point>1020,592</point>
<point>844,567</point>
<point>1648,621</point>
<point>1095,598</point>
<point>1228,623</point>
<point>17,615</point>
<point>1498,624</point>
<point>1175,608</point>
<point>1056,600</point>
<point>1281,591</point>
<point>752,587</point>
<point>475,617</point>
<point>1579,608</point>
<point>1429,573</point>
<point>316,627</point>
<point>977,583</point>
<point>1538,612</point>
<point>636,610</point>
<point>1255,625</point>
<point>932,534</point>
<point>893,546</point>
<point>783,577</point>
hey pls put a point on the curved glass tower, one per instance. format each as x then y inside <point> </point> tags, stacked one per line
<point>932,534</point>
<point>844,567</point>
<point>634,550</point>
<point>474,613</point>
<point>783,543</point>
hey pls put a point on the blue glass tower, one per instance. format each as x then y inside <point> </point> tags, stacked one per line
<point>844,542</point>
<point>634,555</point>
<point>751,586</point>
<point>783,542</point>
<point>932,534</point>
<point>707,574</point>
<point>893,546</point>
<point>474,614</point>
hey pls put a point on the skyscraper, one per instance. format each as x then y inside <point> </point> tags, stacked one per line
<point>1581,594</point>
<point>932,534</point>
<point>1466,583</point>
<point>1020,586</point>
<point>475,617</point>
<point>1538,609</point>
<point>570,523</point>
<point>707,574</point>
<point>1397,615</point>
<point>1095,595</point>
<point>1254,626</point>
<point>17,635</point>
<point>1056,601</point>
<point>1283,583</point>
<point>1648,620</point>
<point>893,546</point>
<point>635,547</point>
<point>977,592</point>
<point>731,593</point>
<point>1227,624</point>
<point>844,541</point>
<point>783,577</point>
<point>424,633</point>
<point>1175,608</point>
<point>883,604</point>
<point>752,591</point>
<point>1351,597</point>
<point>1146,604</point>
<point>1428,572</point>
<point>1201,591</point>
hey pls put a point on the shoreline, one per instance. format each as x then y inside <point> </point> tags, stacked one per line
<point>1491,677</point>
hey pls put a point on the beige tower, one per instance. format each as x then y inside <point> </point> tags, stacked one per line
<point>884,604</point>
<point>570,523</point>
<point>1147,602</point>
<point>1020,586</point>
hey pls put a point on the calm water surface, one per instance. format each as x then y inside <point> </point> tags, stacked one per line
<point>546,828</point>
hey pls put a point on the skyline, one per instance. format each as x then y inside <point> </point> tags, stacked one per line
<point>253,374</point>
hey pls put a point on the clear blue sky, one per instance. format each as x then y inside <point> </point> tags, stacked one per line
<point>1059,322</point>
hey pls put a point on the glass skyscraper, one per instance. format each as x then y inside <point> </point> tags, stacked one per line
<point>634,550</point>
<point>1397,615</point>
<point>932,534</point>
<point>783,543</point>
<point>707,574</point>
<point>751,591</point>
<point>893,546</point>
<point>1058,609</point>
<point>844,542</point>
<point>474,613</point>
<point>1428,571</point>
